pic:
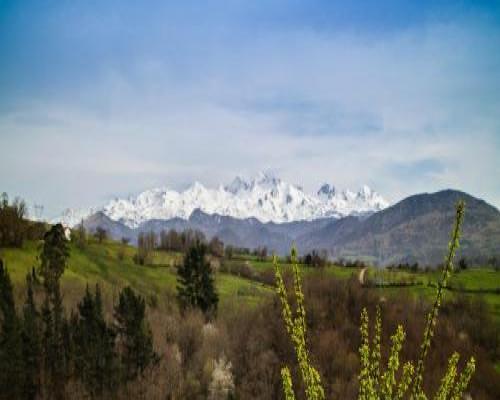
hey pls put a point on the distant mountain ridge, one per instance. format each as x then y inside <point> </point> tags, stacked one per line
<point>264,197</point>
<point>415,229</point>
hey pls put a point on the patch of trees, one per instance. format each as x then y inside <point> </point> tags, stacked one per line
<point>101,234</point>
<point>413,267</point>
<point>491,261</point>
<point>351,263</point>
<point>12,222</point>
<point>261,253</point>
<point>43,351</point>
<point>148,242</point>
<point>315,258</point>
<point>179,241</point>
<point>232,251</point>
<point>14,226</point>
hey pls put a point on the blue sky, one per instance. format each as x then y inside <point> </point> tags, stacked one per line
<point>109,98</point>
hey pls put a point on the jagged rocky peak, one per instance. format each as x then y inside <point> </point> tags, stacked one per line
<point>365,192</point>
<point>266,178</point>
<point>263,196</point>
<point>327,190</point>
<point>238,184</point>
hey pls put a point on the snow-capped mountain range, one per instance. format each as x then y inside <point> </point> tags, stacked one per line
<point>264,197</point>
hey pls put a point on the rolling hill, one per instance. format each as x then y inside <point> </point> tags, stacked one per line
<point>414,230</point>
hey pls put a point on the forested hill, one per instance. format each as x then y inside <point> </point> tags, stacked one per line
<point>415,229</point>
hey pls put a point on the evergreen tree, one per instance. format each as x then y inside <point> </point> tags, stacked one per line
<point>96,360</point>
<point>67,354</point>
<point>134,334</point>
<point>46,344</point>
<point>10,340</point>
<point>54,257</point>
<point>57,347</point>
<point>30,344</point>
<point>56,341</point>
<point>195,283</point>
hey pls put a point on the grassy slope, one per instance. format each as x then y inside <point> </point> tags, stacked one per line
<point>472,279</point>
<point>100,263</point>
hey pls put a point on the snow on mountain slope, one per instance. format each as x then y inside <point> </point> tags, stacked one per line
<point>264,197</point>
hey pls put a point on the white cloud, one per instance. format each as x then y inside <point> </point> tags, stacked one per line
<point>313,106</point>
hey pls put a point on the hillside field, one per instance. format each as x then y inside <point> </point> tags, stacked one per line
<point>111,265</point>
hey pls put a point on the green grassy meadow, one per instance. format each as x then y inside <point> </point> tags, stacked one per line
<point>111,265</point>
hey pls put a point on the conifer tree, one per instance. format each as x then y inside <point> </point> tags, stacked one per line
<point>95,356</point>
<point>53,257</point>
<point>10,340</point>
<point>134,334</point>
<point>47,333</point>
<point>195,283</point>
<point>57,353</point>
<point>30,344</point>
<point>56,341</point>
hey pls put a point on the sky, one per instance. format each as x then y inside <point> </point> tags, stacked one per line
<point>108,98</point>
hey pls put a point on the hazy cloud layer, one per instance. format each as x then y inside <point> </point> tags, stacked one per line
<point>113,98</point>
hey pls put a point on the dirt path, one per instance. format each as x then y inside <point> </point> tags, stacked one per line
<point>361,276</point>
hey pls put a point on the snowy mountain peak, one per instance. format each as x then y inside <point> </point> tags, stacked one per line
<point>365,192</point>
<point>237,185</point>
<point>264,196</point>
<point>326,190</point>
<point>266,179</point>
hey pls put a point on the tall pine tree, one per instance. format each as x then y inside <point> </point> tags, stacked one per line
<point>54,257</point>
<point>134,334</point>
<point>95,356</point>
<point>195,282</point>
<point>10,340</point>
<point>56,339</point>
<point>30,344</point>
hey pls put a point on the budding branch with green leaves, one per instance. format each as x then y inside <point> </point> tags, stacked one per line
<point>376,382</point>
